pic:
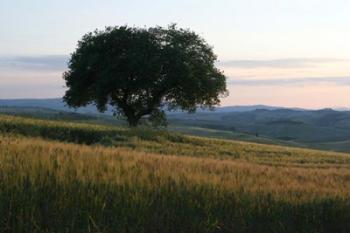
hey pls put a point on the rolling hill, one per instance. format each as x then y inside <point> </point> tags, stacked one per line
<point>64,176</point>
<point>326,129</point>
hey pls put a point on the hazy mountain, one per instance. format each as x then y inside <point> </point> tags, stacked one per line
<point>325,128</point>
<point>55,104</point>
<point>240,108</point>
<point>342,109</point>
<point>58,104</point>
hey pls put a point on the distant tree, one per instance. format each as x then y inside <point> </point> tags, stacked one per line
<point>142,71</point>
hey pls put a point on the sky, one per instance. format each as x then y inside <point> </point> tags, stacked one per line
<point>292,53</point>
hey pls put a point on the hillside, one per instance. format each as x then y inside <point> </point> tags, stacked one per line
<point>158,141</point>
<point>105,119</point>
<point>58,104</point>
<point>324,129</point>
<point>80,177</point>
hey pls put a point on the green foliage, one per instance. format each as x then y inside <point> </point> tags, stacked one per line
<point>138,70</point>
<point>158,119</point>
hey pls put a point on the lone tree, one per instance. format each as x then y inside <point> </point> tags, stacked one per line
<point>142,71</point>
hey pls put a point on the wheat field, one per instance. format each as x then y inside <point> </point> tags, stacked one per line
<point>148,181</point>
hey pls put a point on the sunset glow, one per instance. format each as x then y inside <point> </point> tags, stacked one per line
<point>285,53</point>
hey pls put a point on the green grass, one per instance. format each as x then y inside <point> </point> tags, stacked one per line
<point>164,142</point>
<point>230,135</point>
<point>70,177</point>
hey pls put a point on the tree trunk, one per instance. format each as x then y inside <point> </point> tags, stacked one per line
<point>133,121</point>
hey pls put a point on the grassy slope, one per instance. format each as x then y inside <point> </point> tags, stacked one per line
<point>230,135</point>
<point>49,114</point>
<point>202,185</point>
<point>203,128</point>
<point>323,129</point>
<point>164,142</point>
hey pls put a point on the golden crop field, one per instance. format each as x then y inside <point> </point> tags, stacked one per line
<point>65,177</point>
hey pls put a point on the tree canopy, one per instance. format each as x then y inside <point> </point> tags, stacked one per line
<point>142,71</point>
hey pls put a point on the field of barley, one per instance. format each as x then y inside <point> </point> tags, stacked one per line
<point>59,176</point>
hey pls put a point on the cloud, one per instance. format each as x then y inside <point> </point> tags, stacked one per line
<point>59,63</point>
<point>290,81</point>
<point>45,63</point>
<point>32,76</point>
<point>31,91</point>
<point>277,63</point>
<point>40,86</point>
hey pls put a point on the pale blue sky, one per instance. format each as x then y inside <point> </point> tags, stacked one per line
<point>263,45</point>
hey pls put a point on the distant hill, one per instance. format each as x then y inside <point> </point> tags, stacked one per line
<point>342,109</point>
<point>55,104</point>
<point>58,104</point>
<point>325,128</point>
<point>322,129</point>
